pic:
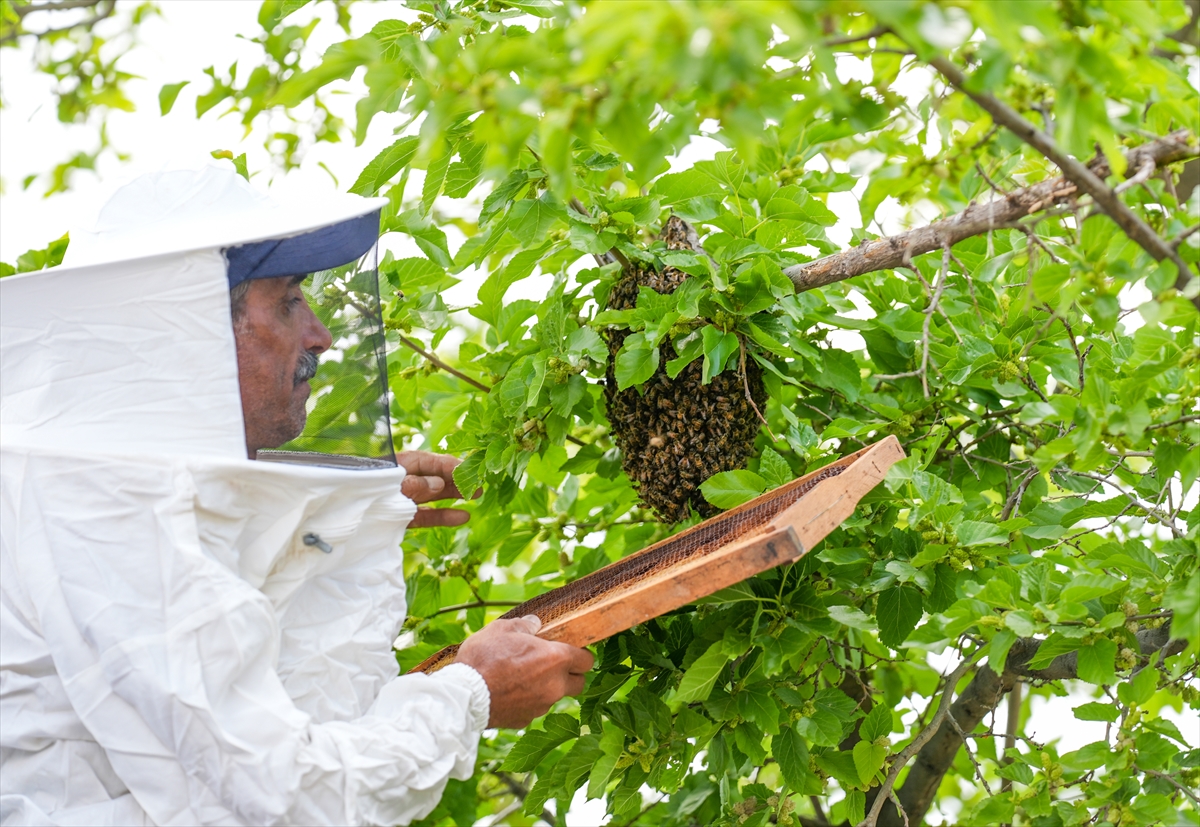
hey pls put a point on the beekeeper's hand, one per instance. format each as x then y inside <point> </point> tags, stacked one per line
<point>430,477</point>
<point>524,673</point>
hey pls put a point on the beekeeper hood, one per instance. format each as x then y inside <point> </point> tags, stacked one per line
<point>188,636</point>
<point>129,346</point>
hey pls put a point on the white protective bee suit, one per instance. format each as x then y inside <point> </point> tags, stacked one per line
<point>171,650</point>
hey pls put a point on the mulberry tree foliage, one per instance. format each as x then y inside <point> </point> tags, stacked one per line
<point>1040,368</point>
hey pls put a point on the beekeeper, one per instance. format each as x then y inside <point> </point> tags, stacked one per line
<point>188,636</point>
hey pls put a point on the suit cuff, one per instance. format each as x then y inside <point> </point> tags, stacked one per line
<point>480,706</point>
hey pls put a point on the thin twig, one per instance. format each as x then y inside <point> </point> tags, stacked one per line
<point>940,286</point>
<point>1140,177</point>
<point>890,376</point>
<point>521,791</point>
<point>1182,420</point>
<point>1179,239</point>
<point>995,187</point>
<point>818,810</point>
<point>746,383</point>
<point>1014,500</point>
<point>1170,779</point>
<point>438,363</point>
<point>1010,730</point>
<point>970,755</point>
<point>922,738</point>
<point>845,40</point>
<point>899,806</point>
<point>478,604</point>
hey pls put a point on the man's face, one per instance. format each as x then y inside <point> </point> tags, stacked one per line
<point>278,338</point>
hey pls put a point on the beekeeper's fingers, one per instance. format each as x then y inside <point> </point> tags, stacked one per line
<point>433,517</point>
<point>430,476</point>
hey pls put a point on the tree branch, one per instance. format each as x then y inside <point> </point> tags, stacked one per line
<point>61,5</point>
<point>104,9</point>
<point>1076,172</point>
<point>982,695</point>
<point>918,743</point>
<point>521,791</point>
<point>977,219</point>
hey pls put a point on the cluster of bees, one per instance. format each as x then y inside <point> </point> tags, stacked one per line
<point>676,433</point>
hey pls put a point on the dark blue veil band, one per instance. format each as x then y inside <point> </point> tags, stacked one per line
<point>321,249</point>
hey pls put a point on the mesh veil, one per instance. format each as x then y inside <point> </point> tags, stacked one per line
<point>348,424</point>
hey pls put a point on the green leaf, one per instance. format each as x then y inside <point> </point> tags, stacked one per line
<point>689,349</point>
<point>774,469</point>
<point>877,724</point>
<point>1155,809</point>
<point>536,744</point>
<point>974,533</point>
<point>998,651</point>
<point>1183,598</point>
<point>897,613</point>
<point>1051,648</point>
<point>239,161</point>
<point>612,744</point>
<point>1097,662</point>
<point>856,806</point>
<point>1048,281</point>
<point>468,474</point>
<point>290,6</point>
<point>1021,622</point>
<point>586,342</point>
<point>684,186</point>
<point>1100,508</point>
<point>853,617</point>
<point>1140,688</point>
<point>1096,711</point>
<point>699,678</point>
<point>529,220</point>
<point>1086,587</point>
<point>756,704</point>
<point>997,809</point>
<point>385,165</point>
<point>1091,757</point>
<point>637,361</point>
<point>491,293</point>
<point>792,754</point>
<point>718,347</point>
<point>435,177</point>
<point>868,759</point>
<point>729,489</point>
<point>168,94</point>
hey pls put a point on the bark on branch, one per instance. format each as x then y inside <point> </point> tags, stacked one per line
<point>977,219</point>
<point>982,695</point>
<point>1075,171</point>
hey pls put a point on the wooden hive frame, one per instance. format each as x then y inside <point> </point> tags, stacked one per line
<point>789,534</point>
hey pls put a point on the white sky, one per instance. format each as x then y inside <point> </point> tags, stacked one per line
<point>193,34</point>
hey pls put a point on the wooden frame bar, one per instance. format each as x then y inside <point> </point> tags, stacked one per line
<point>787,537</point>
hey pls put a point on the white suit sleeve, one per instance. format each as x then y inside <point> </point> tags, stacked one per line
<point>169,658</point>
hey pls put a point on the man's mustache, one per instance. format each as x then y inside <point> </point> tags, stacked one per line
<point>307,367</point>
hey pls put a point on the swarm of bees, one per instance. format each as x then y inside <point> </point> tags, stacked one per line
<point>676,433</point>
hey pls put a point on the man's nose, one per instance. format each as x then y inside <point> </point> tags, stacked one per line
<point>316,336</point>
